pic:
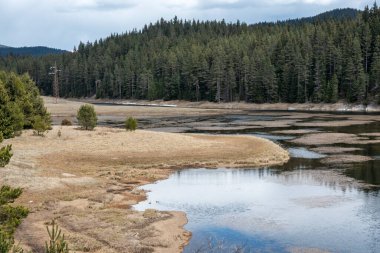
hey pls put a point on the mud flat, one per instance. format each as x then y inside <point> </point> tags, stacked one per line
<point>334,150</point>
<point>337,107</point>
<point>342,159</point>
<point>68,109</point>
<point>88,181</point>
<point>333,138</point>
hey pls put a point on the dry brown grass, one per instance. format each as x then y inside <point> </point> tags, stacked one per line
<point>88,179</point>
<point>66,108</point>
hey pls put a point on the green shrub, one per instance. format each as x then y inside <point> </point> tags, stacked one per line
<point>57,243</point>
<point>66,122</point>
<point>5,244</point>
<point>131,124</point>
<point>5,155</point>
<point>87,118</point>
<point>10,215</point>
<point>20,102</point>
<point>41,125</point>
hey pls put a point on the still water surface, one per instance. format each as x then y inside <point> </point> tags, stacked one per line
<point>270,210</point>
<point>267,212</point>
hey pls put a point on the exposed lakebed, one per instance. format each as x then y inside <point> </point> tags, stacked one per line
<point>325,199</point>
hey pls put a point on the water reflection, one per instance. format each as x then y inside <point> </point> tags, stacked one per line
<point>368,172</point>
<point>268,210</point>
<point>304,153</point>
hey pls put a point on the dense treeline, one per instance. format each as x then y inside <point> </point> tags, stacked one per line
<point>32,51</point>
<point>20,104</point>
<point>316,60</point>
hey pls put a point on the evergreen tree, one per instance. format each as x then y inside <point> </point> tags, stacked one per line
<point>290,61</point>
<point>86,117</point>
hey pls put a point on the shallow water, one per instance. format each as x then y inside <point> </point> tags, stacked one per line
<point>280,208</point>
<point>264,211</point>
<point>304,153</point>
<point>273,137</point>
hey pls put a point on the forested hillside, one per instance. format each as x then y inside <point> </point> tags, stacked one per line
<point>333,56</point>
<point>29,51</point>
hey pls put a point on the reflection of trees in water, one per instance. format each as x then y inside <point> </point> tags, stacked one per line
<point>368,172</point>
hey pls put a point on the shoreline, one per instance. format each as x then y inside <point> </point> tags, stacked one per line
<point>301,107</point>
<point>100,181</point>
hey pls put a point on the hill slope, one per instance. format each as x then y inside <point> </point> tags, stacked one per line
<point>32,51</point>
<point>335,55</point>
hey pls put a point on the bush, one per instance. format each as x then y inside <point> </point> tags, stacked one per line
<point>66,122</point>
<point>41,125</point>
<point>10,215</point>
<point>5,155</point>
<point>87,117</point>
<point>131,124</point>
<point>57,243</point>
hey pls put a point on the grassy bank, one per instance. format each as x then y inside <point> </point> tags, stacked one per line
<point>88,181</point>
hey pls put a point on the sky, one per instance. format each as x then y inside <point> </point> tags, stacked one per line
<point>64,23</point>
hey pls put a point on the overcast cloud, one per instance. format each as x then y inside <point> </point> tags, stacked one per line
<point>63,23</point>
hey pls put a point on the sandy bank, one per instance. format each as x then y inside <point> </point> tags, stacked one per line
<point>320,107</point>
<point>88,181</point>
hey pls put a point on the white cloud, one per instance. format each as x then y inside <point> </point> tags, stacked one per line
<point>63,24</point>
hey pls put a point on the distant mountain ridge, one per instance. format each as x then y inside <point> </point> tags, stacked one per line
<point>330,57</point>
<point>338,14</point>
<point>335,15</point>
<point>29,51</point>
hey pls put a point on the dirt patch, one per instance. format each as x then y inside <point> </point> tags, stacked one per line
<point>334,150</point>
<point>370,134</point>
<point>88,182</point>
<point>339,159</point>
<point>340,107</point>
<point>68,109</point>
<point>330,138</point>
<point>340,123</point>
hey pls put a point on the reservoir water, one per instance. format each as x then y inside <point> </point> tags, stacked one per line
<point>302,206</point>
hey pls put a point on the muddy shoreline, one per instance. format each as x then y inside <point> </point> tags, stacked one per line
<point>92,178</point>
<point>88,181</point>
<point>307,107</point>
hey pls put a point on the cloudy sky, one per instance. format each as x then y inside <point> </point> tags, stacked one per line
<point>63,23</point>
